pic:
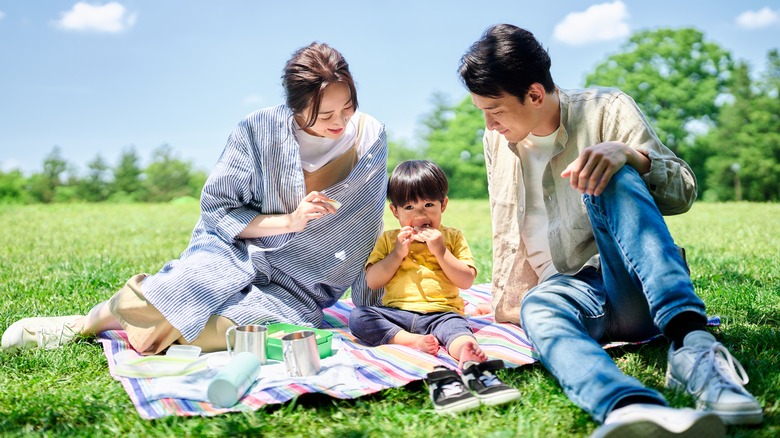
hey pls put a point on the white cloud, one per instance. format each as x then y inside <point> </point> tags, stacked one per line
<point>602,22</point>
<point>110,18</point>
<point>2,14</point>
<point>756,19</point>
<point>9,164</point>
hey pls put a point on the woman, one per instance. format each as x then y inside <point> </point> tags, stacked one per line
<point>288,217</point>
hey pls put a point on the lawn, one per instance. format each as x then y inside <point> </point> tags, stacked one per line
<point>62,259</point>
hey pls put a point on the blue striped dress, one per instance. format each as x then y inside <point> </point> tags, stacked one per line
<point>284,278</point>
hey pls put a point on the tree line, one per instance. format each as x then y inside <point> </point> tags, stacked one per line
<point>166,178</point>
<point>713,111</point>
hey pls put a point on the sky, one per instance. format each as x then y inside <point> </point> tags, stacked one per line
<point>99,77</point>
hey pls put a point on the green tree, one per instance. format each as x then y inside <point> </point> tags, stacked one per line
<point>744,148</point>
<point>400,151</point>
<point>43,186</point>
<point>676,77</point>
<point>454,141</point>
<point>127,184</point>
<point>12,187</point>
<point>197,180</point>
<point>95,186</point>
<point>167,177</point>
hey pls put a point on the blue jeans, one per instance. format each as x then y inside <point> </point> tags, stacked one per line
<point>642,284</point>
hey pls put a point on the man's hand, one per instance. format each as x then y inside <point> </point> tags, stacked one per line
<point>591,171</point>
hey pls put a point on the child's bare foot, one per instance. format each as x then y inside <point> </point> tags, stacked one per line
<point>482,309</point>
<point>425,343</point>
<point>471,353</point>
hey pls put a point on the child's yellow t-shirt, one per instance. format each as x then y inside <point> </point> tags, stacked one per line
<point>419,284</point>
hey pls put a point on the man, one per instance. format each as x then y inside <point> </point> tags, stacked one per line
<point>578,184</point>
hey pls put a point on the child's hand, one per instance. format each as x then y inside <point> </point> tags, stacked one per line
<point>403,241</point>
<point>434,239</point>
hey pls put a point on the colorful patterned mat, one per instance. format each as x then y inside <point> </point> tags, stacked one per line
<point>355,370</point>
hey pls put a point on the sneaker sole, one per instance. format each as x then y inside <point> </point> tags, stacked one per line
<point>709,426</point>
<point>458,407</point>
<point>733,418</point>
<point>499,397</point>
<point>739,418</point>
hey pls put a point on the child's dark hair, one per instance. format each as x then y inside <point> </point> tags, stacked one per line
<point>415,180</point>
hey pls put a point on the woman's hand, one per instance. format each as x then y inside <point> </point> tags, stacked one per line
<point>313,206</point>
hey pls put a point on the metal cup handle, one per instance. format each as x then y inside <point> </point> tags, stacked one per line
<point>289,361</point>
<point>227,339</point>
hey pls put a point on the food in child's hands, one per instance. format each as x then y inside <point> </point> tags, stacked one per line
<point>416,235</point>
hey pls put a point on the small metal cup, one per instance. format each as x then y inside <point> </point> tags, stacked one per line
<point>300,353</point>
<point>250,338</point>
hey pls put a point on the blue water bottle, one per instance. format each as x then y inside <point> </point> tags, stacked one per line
<point>231,384</point>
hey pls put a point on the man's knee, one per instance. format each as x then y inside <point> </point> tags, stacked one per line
<point>626,176</point>
<point>536,306</point>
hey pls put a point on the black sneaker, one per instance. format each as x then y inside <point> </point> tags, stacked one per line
<point>447,392</point>
<point>479,378</point>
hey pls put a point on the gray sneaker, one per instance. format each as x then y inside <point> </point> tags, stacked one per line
<point>646,420</point>
<point>704,368</point>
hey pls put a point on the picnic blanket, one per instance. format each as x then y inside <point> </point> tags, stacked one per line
<point>353,371</point>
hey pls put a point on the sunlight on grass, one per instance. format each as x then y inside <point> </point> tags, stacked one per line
<point>62,259</point>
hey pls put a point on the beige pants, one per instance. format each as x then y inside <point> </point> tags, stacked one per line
<point>147,329</point>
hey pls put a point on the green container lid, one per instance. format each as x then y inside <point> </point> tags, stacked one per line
<point>276,331</point>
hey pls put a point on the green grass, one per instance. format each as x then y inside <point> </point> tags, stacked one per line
<point>62,259</point>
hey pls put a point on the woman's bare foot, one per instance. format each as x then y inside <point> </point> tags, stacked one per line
<point>471,353</point>
<point>425,343</point>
